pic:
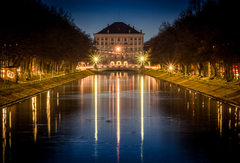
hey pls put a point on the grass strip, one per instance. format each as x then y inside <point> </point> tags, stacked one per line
<point>220,89</point>
<point>24,90</point>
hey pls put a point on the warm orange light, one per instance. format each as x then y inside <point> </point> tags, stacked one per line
<point>118,116</point>
<point>118,49</point>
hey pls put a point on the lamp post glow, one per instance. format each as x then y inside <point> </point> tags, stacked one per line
<point>118,48</point>
<point>95,62</point>
<point>95,59</point>
<point>171,69</point>
<point>142,60</point>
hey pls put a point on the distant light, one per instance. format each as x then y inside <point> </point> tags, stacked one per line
<point>170,67</point>
<point>142,58</point>
<point>118,49</point>
<point>10,74</point>
<point>95,59</point>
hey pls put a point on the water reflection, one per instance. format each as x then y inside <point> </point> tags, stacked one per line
<point>48,114</point>
<point>96,109</point>
<point>142,116</point>
<point>96,112</point>
<point>34,117</point>
<point>219,111</point>
<point>119,117</point>
<point>57,98</point>
<point>4,124</point>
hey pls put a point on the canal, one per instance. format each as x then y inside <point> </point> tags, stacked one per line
<point>120,117</point>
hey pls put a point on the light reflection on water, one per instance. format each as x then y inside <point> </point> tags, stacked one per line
<point>120,117</point>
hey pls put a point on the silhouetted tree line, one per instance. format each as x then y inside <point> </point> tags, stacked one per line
<point>33,33</point>
<point>207,32</point>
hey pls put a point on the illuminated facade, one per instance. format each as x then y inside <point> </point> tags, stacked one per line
<point>118,44</point>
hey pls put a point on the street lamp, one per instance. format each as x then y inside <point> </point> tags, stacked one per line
<point>95,63</point>
<point>142,58</point>
<point>118,48</point>
<point>170,69</point>
<point>95,59</point>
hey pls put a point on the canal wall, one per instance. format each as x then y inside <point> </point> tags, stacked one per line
<point>228,92</point>
<point>21,91</point>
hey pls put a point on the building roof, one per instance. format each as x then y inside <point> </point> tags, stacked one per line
<point>118,27</point>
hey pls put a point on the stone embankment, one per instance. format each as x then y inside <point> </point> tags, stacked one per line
<point>24,90</point>
<point>226,91</point>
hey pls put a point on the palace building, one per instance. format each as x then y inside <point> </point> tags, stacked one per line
<point>118,44</point>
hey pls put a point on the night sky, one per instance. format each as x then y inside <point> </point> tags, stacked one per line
<point>94,15</point>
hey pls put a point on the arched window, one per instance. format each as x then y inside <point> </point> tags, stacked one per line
<point>119,63</point>
<point>112,63</point>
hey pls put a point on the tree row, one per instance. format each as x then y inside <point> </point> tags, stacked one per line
<point>207,32</point>
<point>34,34</point>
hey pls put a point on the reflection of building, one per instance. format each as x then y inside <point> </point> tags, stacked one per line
<point>118,43</point>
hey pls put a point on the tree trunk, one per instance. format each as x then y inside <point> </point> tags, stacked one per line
<point>26,68</point>
<point>238,65</point>
<point>209,67</point>
<point>214,70</point>
<point>198,69</point>
<point>185,70</point>
<point>231,71</point>
<point>30,68</point>
<point>57,69</point>
<point>227,72</point>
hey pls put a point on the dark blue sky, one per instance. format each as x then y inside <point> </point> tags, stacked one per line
<point>94,15</point>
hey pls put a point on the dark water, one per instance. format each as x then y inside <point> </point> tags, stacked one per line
<point>120,117</point>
